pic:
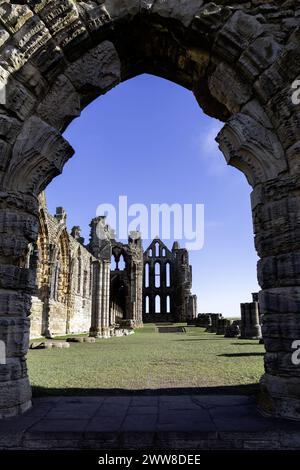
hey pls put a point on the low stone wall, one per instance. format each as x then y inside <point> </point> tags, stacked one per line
<point>58,319</point>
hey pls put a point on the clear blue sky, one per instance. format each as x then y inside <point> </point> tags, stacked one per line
<point>148,139</point>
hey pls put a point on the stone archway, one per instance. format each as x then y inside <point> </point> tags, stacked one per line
<point>239,60</point>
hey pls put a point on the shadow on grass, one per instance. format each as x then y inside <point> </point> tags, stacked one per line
<point>202,339</point>
<point>246,389</point>
<point>171,329</point>
<point>246,354</point>
<point>219,337</point>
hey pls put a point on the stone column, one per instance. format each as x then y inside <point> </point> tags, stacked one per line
<point>250,324</point>
<point>215,317</point>
<point>232,329</point>
<point>243,320</point>
<point>133,294</point>
<point>105,330</point>
<point>97,292</point>
<point>255,323</point>
<point>112,313</point>
<point>222,324</point>
<point>108,264</point>
<point>18,227</point>
<point>192,308</point>
<point>209,323</point>
<point>276,216</point>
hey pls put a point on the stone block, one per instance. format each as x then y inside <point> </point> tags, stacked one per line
<point>97,71</point>
<point>75,339</point>
<point>60,344</point>
<point>14,16</point>
<point>50,109</point>
<point>14,331</point>
<point>184,11</point>
<point>15,397</point>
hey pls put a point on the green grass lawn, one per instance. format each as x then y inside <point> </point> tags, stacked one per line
<point>147,360</point>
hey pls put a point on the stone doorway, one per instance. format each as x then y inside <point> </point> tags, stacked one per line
<point>239,60</point>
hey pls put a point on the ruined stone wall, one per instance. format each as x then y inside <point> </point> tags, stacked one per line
<point>62,303</point>
<point>80,295</point>
<point>37,323</point>
<point>184,305</point>
<point>167,284</point>
<point>58,318</point>
<point>158,285</point>
<point>239,58</point>
<point>192,307</point>
<point>126,284</point>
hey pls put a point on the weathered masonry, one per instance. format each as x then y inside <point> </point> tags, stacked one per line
<point>76,290</point>
<point>167,284</point>
<point>239,59</point>
<point>250,319</point>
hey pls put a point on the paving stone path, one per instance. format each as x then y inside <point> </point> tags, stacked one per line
<point>147,422</point>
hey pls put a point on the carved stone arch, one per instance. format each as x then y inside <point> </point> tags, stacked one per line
<point>118,251</point>
<point>38,155</point>
<point>238,59</point>
<point>60,263</point>
<point>252,148</point>
<point>43,244</point>
<point>176,32</point>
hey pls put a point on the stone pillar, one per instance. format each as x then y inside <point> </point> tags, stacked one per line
<point>18,227</point>
<point>250,321</point>
<point>222,324</point>
<point>107,309</point>
<point>232,329</point>
<point>192,307</point>
<point>139,296</point>
<point>209,322</point>
<point>213,324</point>
<point>255,320</point>
<point>215,317</point>
<point>105,327</point>
<point>243,320</point>
<point>210,326</point>
<point>97,292</point>
<point>136,272</point>
<point>276,216</point>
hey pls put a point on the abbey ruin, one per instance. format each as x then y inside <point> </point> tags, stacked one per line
<point>167,284</point>
<point>84,289</point>
<point>239,59</point>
